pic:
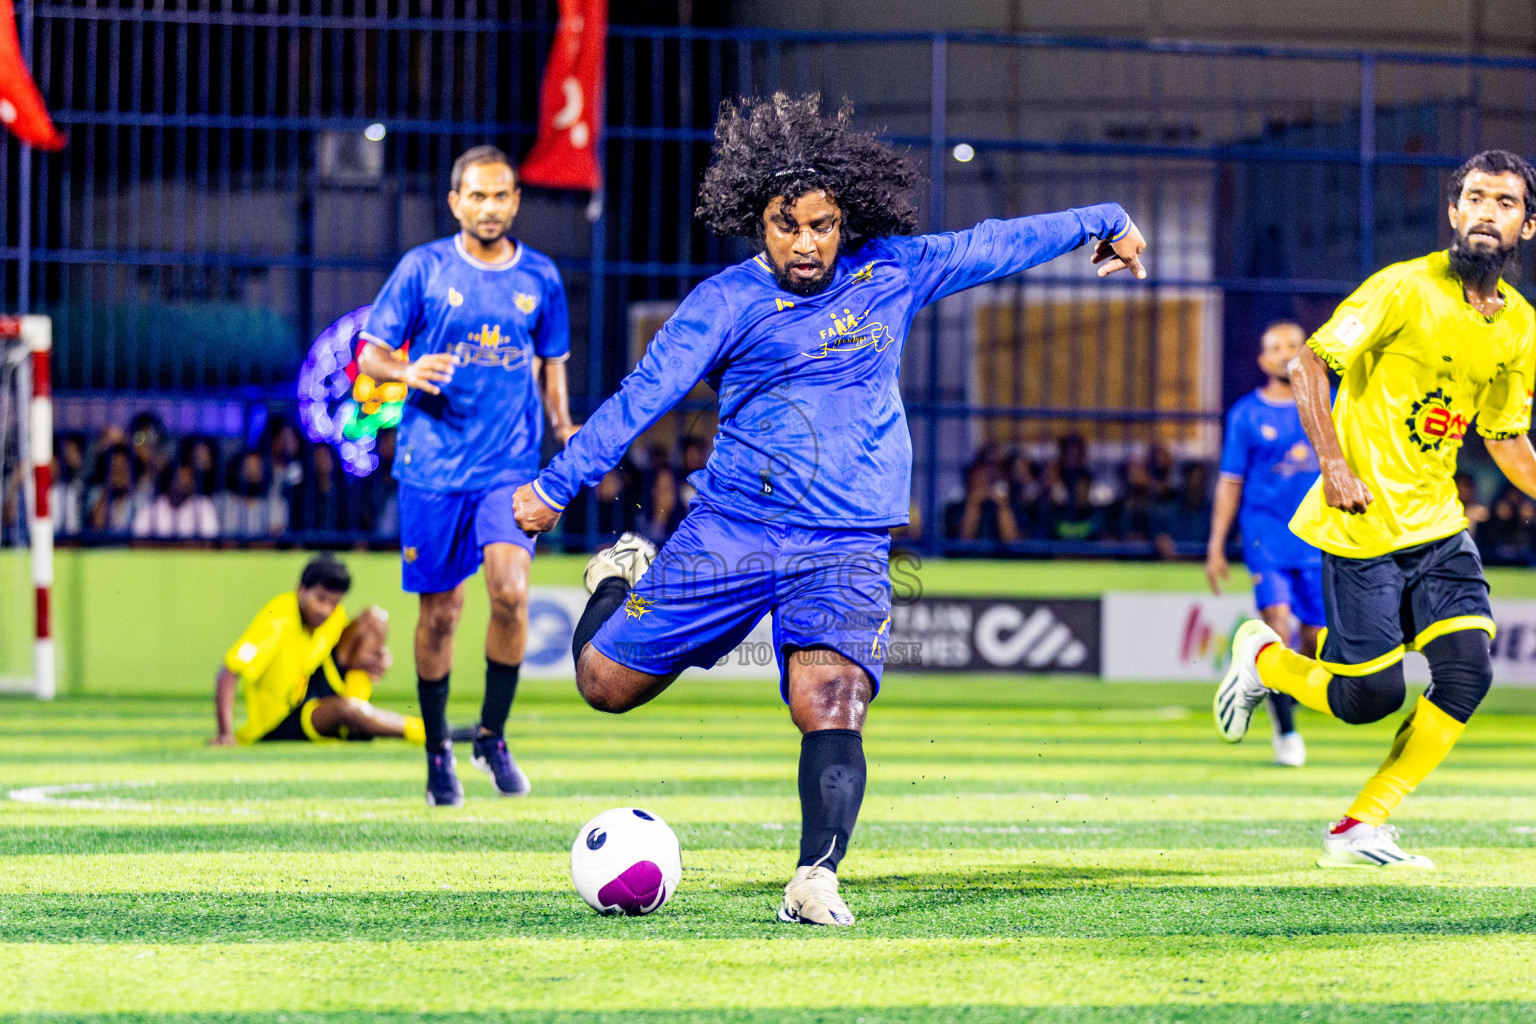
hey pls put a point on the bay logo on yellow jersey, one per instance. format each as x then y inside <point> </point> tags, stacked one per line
<point>1433,422</point>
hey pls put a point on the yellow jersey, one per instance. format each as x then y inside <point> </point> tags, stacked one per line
<point>275,658</point>
<point>1418,364</point>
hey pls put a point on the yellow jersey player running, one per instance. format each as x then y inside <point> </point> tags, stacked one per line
<point>1423,348</point>
<point>308,672</point>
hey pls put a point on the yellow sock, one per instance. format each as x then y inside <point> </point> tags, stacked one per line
<point>357,683</point>
<point>1303,678</point>
<point>415,731</point>
<point>1426,736</point>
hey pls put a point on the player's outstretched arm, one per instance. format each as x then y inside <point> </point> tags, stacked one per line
<point>1229,495</point>
<point>946,263</point>
<point>1517,460</point>
<point>1342,489</point>
<point>224,688</point>
<point>424,374</point>
<point>678,357</point>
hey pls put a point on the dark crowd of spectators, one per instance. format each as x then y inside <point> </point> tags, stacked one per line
<point>1505,531</point>
<point>142,483</point>
<point>1148,498</point>
<point>648,494</point>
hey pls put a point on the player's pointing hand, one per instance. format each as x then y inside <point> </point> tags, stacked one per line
<point>532,514</point>
<point>1126,253</point>
<point>427,372</point>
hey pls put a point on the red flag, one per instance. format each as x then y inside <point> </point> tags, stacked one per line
<point>571,103</point>
<point>21,105</point>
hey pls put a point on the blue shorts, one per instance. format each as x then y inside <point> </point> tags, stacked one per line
<point>718,575</point>
<point>1380,607</point>
<point>441,535</point>
<point>1301,589</point>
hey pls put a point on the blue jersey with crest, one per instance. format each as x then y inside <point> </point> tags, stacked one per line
<point>486,429</point>
<point>1267,449</point>
<point>812,427</point>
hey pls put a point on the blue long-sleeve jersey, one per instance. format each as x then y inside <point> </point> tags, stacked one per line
<point>812,427</point>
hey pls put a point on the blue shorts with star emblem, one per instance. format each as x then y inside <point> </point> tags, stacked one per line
<point>441,535</point>
<point>719,575</point>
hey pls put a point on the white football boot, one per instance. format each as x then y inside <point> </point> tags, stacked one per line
<point>628,559</point>
<point>811,898</point>
<point>1241,691</point>
<point>1368,846</point>
<point>1290,748</point>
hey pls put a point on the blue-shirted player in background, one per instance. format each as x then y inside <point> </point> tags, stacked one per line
<point>813,461</point>
<point>486,321</point>
<point>1267,467</point>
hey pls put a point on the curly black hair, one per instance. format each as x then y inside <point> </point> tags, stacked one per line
<point>783,146</point>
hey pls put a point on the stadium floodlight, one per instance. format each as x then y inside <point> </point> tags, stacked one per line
<point>374,132</point>
<point>26,465</point>
<point>963,152</point>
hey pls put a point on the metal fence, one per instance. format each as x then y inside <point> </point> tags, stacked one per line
<point>219,203</point>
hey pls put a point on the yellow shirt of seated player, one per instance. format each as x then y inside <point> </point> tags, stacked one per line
<point>274,659</point>
<point>1418,364</point>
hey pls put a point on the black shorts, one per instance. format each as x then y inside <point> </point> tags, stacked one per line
<point>297,727</point>
<point>1378,608</point>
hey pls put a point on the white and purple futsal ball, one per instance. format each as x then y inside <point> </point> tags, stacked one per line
<point>626,861</point>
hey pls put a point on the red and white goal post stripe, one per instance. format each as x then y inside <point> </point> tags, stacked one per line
<point>34,427</point>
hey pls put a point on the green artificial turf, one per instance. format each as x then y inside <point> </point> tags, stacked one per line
<point>1041,850</point>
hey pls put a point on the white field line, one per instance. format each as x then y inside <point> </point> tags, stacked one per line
<point>52,796</point>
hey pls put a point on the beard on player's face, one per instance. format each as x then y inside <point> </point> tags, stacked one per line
<point>488,230</point>
<point>1479,253</point>
<point>791,275</point>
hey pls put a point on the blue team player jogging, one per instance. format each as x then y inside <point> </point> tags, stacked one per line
<point>1267,467</point>
<point>812,462</point>
<point>462,453</point>
<point>485,320</point>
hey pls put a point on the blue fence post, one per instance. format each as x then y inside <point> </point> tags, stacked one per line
<point>1367,165</point>
<point>929,539</point>
<point>597,283</point>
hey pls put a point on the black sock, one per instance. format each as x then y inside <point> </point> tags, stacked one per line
<point>605,600</point>
<point>831,790</point>
<point>433,696</point>
<point>500,688</point>
<point>1282,708</point>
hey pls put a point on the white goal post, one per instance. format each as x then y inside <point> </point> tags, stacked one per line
<point>26,407</point>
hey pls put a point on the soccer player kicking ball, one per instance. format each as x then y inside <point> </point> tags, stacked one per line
<point>485,317</point>
<point>1267,467</point>
<point>1422,348</point>
<point>812,464</point>
<point>306,671</point>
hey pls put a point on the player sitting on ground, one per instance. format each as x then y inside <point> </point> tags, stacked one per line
<point>812,464</point>
<point>306,671</point>
<point>1267,467</point>
<point>1422,348</point>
